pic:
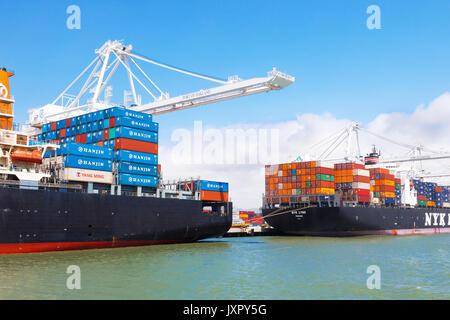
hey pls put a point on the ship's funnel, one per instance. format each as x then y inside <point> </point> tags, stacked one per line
<point>6,115</point>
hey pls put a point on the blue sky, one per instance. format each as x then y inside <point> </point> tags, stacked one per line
<point>340,66</point>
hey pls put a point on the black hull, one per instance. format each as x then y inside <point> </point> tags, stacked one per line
<point>40,220</point>
<point>354,221</point>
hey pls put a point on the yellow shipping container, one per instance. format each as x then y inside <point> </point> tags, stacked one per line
<point>389,183</point>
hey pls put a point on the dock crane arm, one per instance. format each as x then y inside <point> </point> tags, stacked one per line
<point>232,88</point>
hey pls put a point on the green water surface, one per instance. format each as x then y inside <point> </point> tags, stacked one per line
<point>412,267</point>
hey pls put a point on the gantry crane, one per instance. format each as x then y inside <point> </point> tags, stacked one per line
<point>115,53</point>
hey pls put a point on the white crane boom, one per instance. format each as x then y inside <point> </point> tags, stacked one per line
<point>100,75</point>
<point>412,159</point>
<point>274,81</point>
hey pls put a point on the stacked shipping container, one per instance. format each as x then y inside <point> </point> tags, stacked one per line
<point>292,181</point>
<point>398,191</point>
<point>429,194</point>
<point>251,217</point>
<point>383,186</point>
<point>352,182</point>
<point>209,190</point>
<point>133,135</point>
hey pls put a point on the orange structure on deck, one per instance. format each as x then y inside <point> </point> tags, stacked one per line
<point>6,114</point>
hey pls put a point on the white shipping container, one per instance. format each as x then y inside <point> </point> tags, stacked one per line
<point>361,185</point>
<point>324,164</point>
<point>84,175</point>
<point>52,160</point>
<point>361,172</point>
<point>446,204</point>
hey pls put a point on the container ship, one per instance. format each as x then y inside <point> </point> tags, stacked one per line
<point>83,176</point>
<point>93,181</point>
<point>322,198</point>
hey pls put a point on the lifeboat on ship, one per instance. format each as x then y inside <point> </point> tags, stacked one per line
<point>26,156</point>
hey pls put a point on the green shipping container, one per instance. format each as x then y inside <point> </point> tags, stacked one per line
<point>324,177</point>
<point>112,133</point>
<point>422,203</point>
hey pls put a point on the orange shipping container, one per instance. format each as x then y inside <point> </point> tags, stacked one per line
<point>214,195</point>
<point>136,145</point>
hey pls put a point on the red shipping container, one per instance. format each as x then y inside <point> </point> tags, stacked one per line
<point>63,133</point>
<point>68,123</point>
<point>363,198</point>
<point>100,144</point>
<point>136,145</point>
<point>361,179</point>
<point>112,122</point>
<point>83,138</point>
<point>106,134</point>
<point>362,192</point>
<point>53,126</point>
<point>214,195</point>
<point>78,138</point>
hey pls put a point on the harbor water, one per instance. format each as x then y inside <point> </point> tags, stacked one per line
<point>412,267</point>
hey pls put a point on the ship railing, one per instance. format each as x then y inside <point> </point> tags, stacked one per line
<point>41,185</point>
<point>314,200</point>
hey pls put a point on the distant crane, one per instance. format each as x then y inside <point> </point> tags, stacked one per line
<point>115,53</point>
<point>349,137</point>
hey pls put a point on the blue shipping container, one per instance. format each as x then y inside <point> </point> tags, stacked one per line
<point>212,186</point>
<point>85,150</point>
<point>137,168</point>
<point>118,112</point>
<point>136,123</point>
<point>137,180</point>
<point>74,161</point>
<point>136,134</point>
<point>134,156</point>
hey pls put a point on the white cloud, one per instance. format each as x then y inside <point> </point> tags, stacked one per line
<point>426,125</point>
